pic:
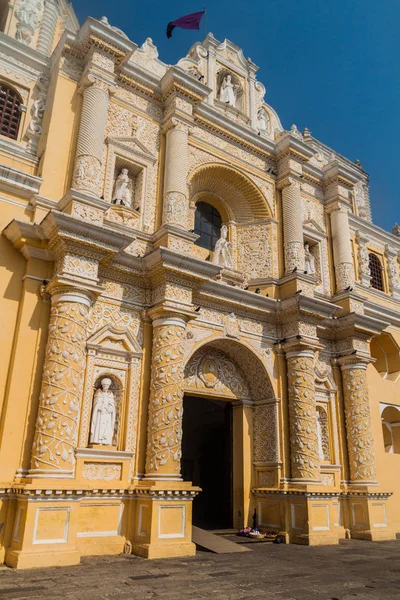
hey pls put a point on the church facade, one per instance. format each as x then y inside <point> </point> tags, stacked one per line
<point>199,321</point>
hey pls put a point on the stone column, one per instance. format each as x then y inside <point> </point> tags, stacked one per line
<point>292,226</point>
<point>56,434</point>
<point>89,150</point>
<point>164,431</point>
<point>360,441</point>
<point>48,27</point>
<point>302,416</point>
<point>342,255</point>
<point>175,176</point>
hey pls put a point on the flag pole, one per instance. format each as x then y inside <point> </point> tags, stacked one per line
<point>205,27</point>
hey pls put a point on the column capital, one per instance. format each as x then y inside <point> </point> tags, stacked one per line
<point>165,315</point>
<point>92,78</point>
<point>337,205</point>
<point>354,361</point>
<point>296,347</point>
<point>288,180</point>
<point>177,124</point>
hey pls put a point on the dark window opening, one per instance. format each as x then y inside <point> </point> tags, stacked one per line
<point>375,269</point>
<point>10,111</point>
<point>207,225</point>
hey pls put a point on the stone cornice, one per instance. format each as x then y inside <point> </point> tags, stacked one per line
<point>95,33</point>
<point>334,171</point>
<point>379,311</point>
<point>244,298</point>
<point>214,120</point>
<point>19,182</point>
<point>358,324</point>
<point>176,81</point>
<point>134,76</point>
<point>28,58</point>
<point>373,232</point>
<point>17,150</point>
<point>288,144</point>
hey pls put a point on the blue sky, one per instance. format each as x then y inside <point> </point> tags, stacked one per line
<point>329,65</point>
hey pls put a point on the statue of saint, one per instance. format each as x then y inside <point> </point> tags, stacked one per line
<point>103,415</point>
<point>222,252</point>
<point>123,189</point>
<point>227,92</point>
<point>309,260</point>
<point>263,121</point>
<point>359,197</point>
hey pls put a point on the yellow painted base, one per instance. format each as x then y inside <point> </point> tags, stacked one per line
<point>19,559</point>
<point>164,551</point>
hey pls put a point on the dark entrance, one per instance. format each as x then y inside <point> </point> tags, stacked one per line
<point>207,459</point>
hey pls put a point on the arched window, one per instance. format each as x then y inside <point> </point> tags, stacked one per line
<point>375,269</point>
<point>207,225</point>
<point>10,111</point>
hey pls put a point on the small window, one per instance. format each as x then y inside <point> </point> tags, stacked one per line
<point>207,225</point>
<point>10,111</point>
<point>375,269</point>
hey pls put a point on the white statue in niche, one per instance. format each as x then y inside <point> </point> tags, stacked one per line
<point>309,260</point>
<point>263,121</point>
<point>227,92</point>
<point>222,252</point>
<point>103,416</point>
<point>123,191</point>
<point>359,197</point>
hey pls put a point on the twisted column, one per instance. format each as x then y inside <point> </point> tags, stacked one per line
<point>175,176</point>
<point>48,27</point>
<point>164,431</point>
<point>302,416</point>
<point>57,422</point>
<point>293,227</point>
<point>342,255</point>
<point>360,441</point>
<point>89,150</point>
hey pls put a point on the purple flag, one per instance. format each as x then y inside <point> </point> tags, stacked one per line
<point>191,21</point>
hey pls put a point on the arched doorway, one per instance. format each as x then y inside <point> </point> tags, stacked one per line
<point>224,384</point>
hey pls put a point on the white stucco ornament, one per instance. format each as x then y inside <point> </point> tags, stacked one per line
<point>123,189</point>
<point>222,252</point>
<point>227,92</point>
<point>28,15</point>
<point>103,416</point>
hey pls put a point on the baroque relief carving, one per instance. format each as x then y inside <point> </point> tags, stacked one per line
<point>102,471</point>
<point>213,372</point>
<point>358,425</point>
<point>28,15</point>
<point>59,403</point>
<point>303,417</point>
<point>165,414</point>
<point>265,427</point>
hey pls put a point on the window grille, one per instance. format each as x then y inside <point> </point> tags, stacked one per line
<point>375,269</point>
<point>10,111</point>
<point>207,225</point>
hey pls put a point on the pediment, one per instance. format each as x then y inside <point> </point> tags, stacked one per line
<point>132,144</point>
<point>312,224</point>
<point>233,54</point>
<point>114,339</point>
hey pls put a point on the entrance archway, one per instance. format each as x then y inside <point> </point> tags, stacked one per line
<point>225,384</point>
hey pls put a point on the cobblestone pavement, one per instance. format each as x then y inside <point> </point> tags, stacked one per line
<point>353,570</point>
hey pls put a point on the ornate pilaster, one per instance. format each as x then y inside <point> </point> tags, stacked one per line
<point>292,225</point>
<point>175,177</point>
<point>164,432</point>
<point>89,150</point>
<point>302,416</point>
<point>393,271</point>
<point>342,254</point>
<point>360,441</point>
<point>363,260</point>
<point>56,433</point>
<point>48,27</point>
